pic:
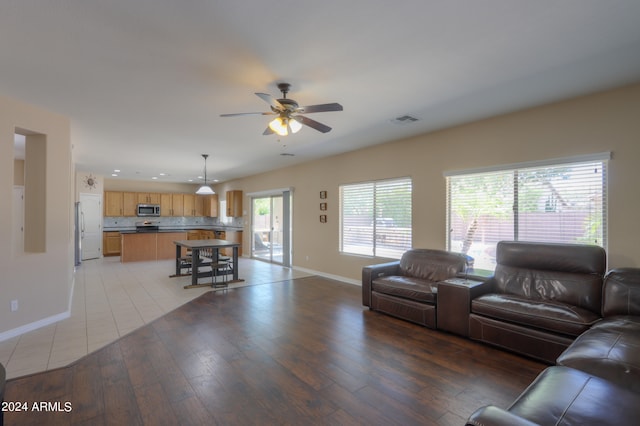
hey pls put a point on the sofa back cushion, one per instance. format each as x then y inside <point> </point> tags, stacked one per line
<point>567,273</point>
<point>621,295</point>
<point>432,265</point>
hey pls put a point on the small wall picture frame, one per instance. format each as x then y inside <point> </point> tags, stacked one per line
<point>323,218</point>
<point>323,206</point>
<point>323,195</point>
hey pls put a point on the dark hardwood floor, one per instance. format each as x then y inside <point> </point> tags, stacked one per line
<point>303,351</point>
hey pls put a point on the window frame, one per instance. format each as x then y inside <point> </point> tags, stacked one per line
<point>518,168</point>
<point>402,234</point>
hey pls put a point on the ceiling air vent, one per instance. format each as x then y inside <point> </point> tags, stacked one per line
<point>405,119</point>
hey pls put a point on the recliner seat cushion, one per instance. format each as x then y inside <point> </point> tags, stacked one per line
<point>410,288</point>
<point>542,314</point>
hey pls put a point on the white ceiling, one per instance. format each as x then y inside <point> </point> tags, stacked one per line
<point>144,81</point>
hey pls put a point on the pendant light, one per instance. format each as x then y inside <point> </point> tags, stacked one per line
<point>205,189</point>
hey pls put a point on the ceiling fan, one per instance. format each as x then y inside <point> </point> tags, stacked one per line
<point>288,112</point>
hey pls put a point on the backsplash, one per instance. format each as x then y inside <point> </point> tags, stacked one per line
<point>171,222</point>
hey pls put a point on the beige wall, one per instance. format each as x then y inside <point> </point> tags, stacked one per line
<point>148,186</point>
<point>597,123</point>
<point>40,281</point>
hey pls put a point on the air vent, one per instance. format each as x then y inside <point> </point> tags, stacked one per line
<point>405,119</point>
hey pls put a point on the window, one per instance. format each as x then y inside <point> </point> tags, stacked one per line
<point>375,218</point>
<point>561,201</point>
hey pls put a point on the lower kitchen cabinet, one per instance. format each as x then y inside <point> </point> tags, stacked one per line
<point>111,243</point>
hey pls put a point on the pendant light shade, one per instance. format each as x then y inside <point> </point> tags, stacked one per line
<point>205,189</point>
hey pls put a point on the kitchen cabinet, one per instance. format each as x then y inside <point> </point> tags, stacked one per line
<point>111,243</point>
<point>113,203</point>
<point>209,205</point>
<point>189,204</point>
<point>234,203</point>
<point>171,204</point>
<point>148,198</point>
<point>129,204</point>
<point>119,204</point>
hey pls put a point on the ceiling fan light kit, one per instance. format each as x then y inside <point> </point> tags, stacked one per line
<point>282,126</point>
<point>205,189</point>
<point>289,118</point>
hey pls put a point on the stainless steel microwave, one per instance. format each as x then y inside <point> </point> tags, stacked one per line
<point>148,210</point>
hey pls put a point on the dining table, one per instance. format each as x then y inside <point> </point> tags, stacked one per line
<point>211,247</point>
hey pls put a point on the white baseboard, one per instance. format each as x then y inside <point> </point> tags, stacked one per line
<point>330,276</point>
<point>10,334</point>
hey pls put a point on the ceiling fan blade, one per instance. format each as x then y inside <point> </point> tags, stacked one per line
<point>247,113</point>
<point>312,123</point>
<point>271,101</point>
<point>320,108</point>
<point>268,131</point>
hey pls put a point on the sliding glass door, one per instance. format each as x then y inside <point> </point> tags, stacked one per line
<point>270,228</point>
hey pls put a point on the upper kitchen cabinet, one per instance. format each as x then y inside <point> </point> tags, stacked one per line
<point>234,203</point>
<point>171,204</point>
<point>207,205</point>
<point>129,204</point>
<point>118,204</point>
<point>148,198</point>
<point>189,205</point>
<point>113,203</point>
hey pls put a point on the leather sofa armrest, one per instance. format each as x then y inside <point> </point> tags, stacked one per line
<point>370,273</point>
<point>487,287</point>
<point>620,293</point>
<point>495,416</point>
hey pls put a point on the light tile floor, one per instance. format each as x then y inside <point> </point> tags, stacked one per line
<point>112,299</point>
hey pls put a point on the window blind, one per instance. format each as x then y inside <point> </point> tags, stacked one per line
<point>559,203</point>
<point>375,218</point>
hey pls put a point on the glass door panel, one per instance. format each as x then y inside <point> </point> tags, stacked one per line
<point>267,229</point>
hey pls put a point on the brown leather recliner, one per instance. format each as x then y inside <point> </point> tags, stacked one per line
<point>541,297</point>
<point>408,288</point>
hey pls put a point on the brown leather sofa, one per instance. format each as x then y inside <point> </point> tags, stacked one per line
<point>541,297</point>
<point>597,379</point>
<point>408,288</point>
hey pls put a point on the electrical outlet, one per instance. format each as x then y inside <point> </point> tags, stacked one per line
<point>14,305</point>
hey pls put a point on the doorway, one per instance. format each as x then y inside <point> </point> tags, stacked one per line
<point>270,227</point>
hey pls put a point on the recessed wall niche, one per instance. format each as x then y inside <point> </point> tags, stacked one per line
<point>35,190</point>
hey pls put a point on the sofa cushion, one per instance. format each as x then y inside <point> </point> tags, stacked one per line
<point>416,289</point>
<point>431,265</point>
<point>542,314</point>
<point>610,349</point>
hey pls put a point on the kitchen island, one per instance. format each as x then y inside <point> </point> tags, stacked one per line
<point>141,246</point>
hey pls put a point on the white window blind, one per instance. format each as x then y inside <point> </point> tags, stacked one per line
<point>375,218</point>
<point>564,202</point>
